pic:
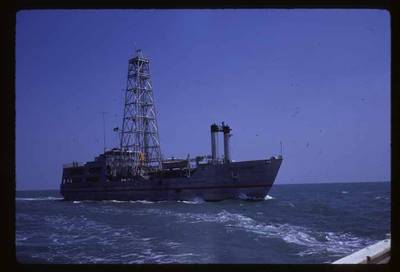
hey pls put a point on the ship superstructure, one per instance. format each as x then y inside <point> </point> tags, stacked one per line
<point>136,170</point>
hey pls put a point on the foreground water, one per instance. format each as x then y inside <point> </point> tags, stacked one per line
<point>308,223</point>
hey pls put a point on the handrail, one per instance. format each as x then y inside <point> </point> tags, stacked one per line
<point>73,164</point>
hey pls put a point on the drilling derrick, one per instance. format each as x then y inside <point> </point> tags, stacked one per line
<point>139,126</point>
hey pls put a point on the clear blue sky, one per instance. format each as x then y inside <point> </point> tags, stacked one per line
<point>317,80</point>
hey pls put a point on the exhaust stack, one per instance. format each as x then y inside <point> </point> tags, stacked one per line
<point>214,131</point>
<point>227,154</point>
<point>226,130</point>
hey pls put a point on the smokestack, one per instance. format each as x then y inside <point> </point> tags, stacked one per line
<point>226,129</point>
<point>214,131</point>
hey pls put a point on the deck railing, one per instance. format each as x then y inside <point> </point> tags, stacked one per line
<point>73,164</point>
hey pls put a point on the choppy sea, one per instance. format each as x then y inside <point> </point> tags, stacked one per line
<point>303,223</point>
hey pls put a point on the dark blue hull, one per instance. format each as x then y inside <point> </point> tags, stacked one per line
<point>211,182</point>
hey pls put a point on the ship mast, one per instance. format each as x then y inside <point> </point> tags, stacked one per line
<point>139,124</point>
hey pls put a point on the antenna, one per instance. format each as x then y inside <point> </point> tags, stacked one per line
<point>281,146</point>
<point>117,134</point>
<point>104,131</point>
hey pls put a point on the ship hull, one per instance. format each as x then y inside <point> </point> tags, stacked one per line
<point>245,180</point>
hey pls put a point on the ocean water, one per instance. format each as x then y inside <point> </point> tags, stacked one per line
<point>306,223</point>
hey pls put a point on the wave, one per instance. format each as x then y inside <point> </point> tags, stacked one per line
<point>22,236</point>
<point>142,201</point>
<point>78,231</point>
<point>268,197</point>
<point>38,198</point>
<point>314,241</point>
<point>152,256</point>
<point>114,201</point>
<point>289,204</point>
<point>345,192</point>
<point>381,197</point>
<point>244,196</point>
<point>196,200</point>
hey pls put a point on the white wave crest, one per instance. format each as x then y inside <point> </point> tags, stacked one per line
<point>268,197</point>
<point>114,201</point>
<point>314,242</point>
<point>244,196</point>
<point>141,201</point>
<point>196,200</point>
<point>38,198</point>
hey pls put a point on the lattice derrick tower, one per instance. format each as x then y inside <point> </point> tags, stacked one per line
<point>139,127</point>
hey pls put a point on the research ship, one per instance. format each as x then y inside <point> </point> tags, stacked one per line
<point>136,169</point>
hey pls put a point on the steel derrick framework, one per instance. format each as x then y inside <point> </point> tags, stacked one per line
<point>139,127</point>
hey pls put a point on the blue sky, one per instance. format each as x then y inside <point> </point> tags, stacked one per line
<point>317,80</point>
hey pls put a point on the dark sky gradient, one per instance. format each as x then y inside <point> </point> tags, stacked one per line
<point>317,80</point>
